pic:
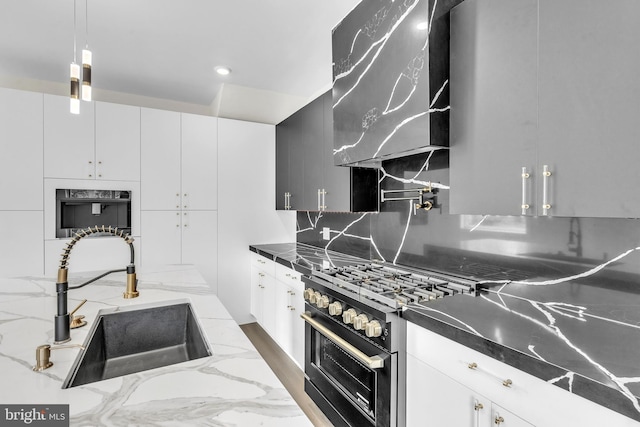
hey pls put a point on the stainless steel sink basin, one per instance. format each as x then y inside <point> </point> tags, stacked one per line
<point>138,338</point>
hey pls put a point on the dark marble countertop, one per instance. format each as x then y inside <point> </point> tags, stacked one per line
<point>304,258</point>
<point>582,336</point>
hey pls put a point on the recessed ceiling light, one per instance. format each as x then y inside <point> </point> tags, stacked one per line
<point>423,25</point>
<point>223,71</point>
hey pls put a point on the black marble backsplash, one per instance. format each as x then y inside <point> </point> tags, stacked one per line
<point>491,248</point>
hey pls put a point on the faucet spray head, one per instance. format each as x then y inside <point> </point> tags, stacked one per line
<point>132,283</point>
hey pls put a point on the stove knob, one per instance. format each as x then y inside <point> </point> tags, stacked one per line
<point>322,302</point>
<point>373,329</point>
<point>307,294</point>
<point>313,299</point>
<point>360,322</point>
<point>348,316</point>
<point>335,308</point>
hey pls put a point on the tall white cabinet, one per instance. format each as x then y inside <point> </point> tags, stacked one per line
<point>246,173</point>
<point>179,190</point>
<point>21,204</point>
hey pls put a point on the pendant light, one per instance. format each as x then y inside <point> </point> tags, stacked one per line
<point>74,73</point>
<point>86,60</point>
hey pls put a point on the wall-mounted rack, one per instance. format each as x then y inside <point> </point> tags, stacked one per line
<point>425,197</point>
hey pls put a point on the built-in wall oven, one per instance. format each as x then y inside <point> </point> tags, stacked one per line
<point>77,209</point>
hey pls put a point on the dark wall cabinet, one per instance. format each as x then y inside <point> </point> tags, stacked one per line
<point>544,105</point>
<point>306,178</point>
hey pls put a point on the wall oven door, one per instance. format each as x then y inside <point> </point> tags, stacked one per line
<point>351,379</point>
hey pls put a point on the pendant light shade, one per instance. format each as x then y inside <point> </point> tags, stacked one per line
<point>86,75</point>
<point>74,100</point>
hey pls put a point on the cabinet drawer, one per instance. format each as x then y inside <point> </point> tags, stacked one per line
<point>263,264</point>
<point>525,395</point>
<point>289,277</point>
<point>499,382</point>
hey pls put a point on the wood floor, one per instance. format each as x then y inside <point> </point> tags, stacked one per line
<point>286,370</point>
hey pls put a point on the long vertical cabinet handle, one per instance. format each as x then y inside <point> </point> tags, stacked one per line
<point>287,201</point>
<point>525,177</point>
<point>546,173</point>
<point>319,202</point>
<point>324,199</point>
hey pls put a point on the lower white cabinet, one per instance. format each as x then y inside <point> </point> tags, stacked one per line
<point>434,399</point>
<point>277,302</point>
<point>21,243</point>
<point>450,384</point>
<point>181,237</point>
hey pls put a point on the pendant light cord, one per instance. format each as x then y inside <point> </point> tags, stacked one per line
<point>74,31</point>
<point>86,22</point>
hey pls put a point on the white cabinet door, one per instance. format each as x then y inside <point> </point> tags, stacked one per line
<point>256,294</point>
<point>21,243</point>
<point>282,333</point>
<point>433,399</point>
<point>117,142</point>
<point>503,418</point>
<point>200,243</point>
<point>22,150</point>
<point>269,317</point>
<point>160,159</point>
<point>297,326</point>
<point>69,143</point>
<point>162,244</point>
<point>199,162</point>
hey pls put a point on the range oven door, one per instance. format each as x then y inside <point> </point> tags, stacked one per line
<point>352,380</point>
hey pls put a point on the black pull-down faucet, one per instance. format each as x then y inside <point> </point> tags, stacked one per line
<point>62,319</point>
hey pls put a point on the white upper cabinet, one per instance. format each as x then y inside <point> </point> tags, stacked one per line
<point>179,161</point>
<point>160,162</point>
<point>199,162</point>
<point>69,143</point>
<point>21,147</point>
<point>102,142</point>
<point>117,142</point>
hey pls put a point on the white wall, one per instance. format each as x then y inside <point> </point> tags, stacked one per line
<point>246,208</point>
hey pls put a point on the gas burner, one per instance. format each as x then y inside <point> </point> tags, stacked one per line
<point>394,287</point>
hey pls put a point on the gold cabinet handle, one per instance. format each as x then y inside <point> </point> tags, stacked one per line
<point>498,420</point>
<point>472,365</point>
<point>507,382</point>
<point>478,406</point>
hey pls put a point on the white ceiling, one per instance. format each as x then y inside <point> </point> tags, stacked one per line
<point>168,49</point>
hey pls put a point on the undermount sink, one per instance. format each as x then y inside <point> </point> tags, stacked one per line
<point>126,340</point>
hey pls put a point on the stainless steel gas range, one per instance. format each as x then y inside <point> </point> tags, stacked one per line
<point>355,338</point>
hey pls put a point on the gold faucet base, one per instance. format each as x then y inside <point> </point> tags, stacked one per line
<point>77,322</point>
<point>132,283</point>
<point>42,368</point>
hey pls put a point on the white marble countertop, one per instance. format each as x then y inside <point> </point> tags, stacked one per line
<point>233,387</point>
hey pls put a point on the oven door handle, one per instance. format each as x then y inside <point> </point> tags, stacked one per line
<point>372,362</point>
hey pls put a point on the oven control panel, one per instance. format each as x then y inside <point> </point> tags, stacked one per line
<point>360,321</point>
